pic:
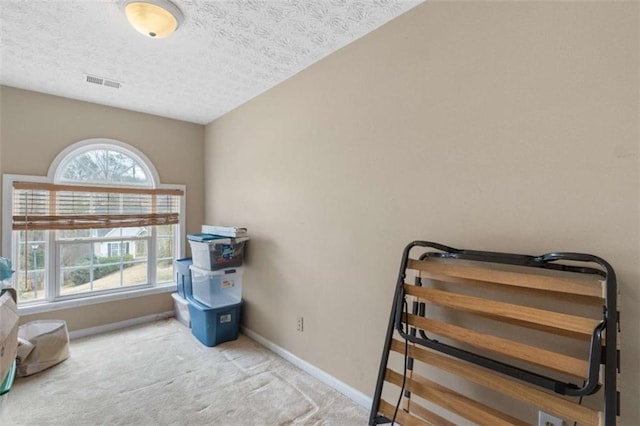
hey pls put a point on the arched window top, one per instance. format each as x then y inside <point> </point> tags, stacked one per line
<point>103,162</point>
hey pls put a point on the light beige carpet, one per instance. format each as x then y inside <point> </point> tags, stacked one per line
<point>159,374</point>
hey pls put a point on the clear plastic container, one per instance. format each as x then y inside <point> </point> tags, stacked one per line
<point>217,288</point>
<point>182,309</point>
<point>218,254</point>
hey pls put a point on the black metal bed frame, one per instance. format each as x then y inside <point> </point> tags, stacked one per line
<point>608,355</point>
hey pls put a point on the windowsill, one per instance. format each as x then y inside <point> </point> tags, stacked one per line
<point>37,308</point>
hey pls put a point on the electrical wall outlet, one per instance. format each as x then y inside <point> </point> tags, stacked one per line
<point>546,419</point>
<point>300,323</point>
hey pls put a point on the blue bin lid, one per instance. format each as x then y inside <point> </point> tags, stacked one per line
<point>204,308</point>
<point>205,237</point>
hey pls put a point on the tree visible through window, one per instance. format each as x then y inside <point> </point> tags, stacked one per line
<point>104,166</point>
<point>102,228</point>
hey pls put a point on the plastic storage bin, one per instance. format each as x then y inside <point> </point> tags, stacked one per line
<point>216,288</point>
<point>181,306</point>
<point>212,326</point>
<point>212,253</point>
<point>183,276</point>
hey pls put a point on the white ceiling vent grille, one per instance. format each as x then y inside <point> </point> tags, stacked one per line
<point>95,80</point>
<point>102,81</point>
<point>110,83</point>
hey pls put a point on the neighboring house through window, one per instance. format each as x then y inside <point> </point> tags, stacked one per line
<point>100,223</point>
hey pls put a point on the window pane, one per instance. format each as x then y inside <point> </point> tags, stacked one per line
<point>104,166</point>
<point>103,265</point>
<point>101,233</point>
<point>30,286</point>
<point>165,256</point>
<point>135,273</point>
<point>164,272</point>
<point>135,262</point>
<point>165,248</point>
<point>165,230</point>
<point>132,232</point>
<point>139,249</point>
<point>75,281</point>
<point>107,233</point>
<point>73,234</point>
<point>78,254</point>
<point>76,262</point>
<point>29,266</point>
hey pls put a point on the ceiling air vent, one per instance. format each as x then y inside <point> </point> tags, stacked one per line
<point>95,80</point>
<point>102,81</point>
<point>113,84</point>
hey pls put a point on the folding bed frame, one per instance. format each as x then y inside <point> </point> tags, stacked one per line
<point>485,318</point>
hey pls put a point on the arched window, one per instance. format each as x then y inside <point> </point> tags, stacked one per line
<point>103,165</point>
<point>100,223</point>
<point>103,162</point>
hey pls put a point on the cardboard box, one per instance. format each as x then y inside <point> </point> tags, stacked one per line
<point>8,333</point>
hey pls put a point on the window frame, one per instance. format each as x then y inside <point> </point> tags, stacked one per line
<point>53,299</point>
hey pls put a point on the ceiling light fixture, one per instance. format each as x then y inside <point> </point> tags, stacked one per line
<point>153,18</point>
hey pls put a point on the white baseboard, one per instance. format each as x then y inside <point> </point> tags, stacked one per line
<point>351,393</point>
<point>84,332</point>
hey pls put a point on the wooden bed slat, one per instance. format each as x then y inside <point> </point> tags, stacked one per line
<point>552,360</point>
<point>453,401</point>
<point>455,273</point>
<point>402,416</point>
<point>430,417</point>
<point>553,322</point>
<point>510,387</point>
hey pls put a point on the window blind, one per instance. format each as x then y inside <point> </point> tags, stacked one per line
<point>45,206</point>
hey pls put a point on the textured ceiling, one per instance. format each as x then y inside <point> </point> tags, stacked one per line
<point>225,52</point>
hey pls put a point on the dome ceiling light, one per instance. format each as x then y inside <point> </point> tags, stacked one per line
<point>153,18</point>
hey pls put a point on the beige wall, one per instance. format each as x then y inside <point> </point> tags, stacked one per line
<point>493,126</point>
<point>106,313</point>
<point>35,127</point>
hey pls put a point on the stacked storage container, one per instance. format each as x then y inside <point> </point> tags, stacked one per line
<point>183,283</point>
<point>215,302</point>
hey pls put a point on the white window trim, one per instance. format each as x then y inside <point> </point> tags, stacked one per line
<point>7,231</point>
<point>37,308</point>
